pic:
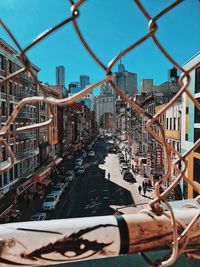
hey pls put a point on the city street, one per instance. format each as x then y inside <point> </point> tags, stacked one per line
<point>93,194</point>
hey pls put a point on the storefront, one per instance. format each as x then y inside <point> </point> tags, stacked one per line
<point>42,185</point>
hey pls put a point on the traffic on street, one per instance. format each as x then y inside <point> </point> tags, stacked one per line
<point>100,180</point>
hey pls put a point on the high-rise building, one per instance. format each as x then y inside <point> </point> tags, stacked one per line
<point>84,81</point>
<point>105,103</point>
<point>74,88</point>
<point>125,80</point>
<point>60,75</point>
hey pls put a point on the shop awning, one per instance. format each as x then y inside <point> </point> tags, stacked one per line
<point>45,182</point>
<point>41,173</point>
<point>58,160</point>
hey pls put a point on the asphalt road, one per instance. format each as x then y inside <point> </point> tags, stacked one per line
<point>93,194</point>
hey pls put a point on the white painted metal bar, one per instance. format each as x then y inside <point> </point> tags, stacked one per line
<point>56,241</point>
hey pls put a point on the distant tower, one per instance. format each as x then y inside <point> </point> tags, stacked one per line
<point>125,80</point>
<point>84,81</point>
<point>60,75</point>
<point>121,67</point>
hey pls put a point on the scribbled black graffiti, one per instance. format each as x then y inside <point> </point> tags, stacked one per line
<point>74,243</point>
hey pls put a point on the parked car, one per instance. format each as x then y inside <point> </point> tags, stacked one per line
<point>89,147</point>
<point>39,216</point>
<point>79,161</point>
<point>91,153</point>
<point>110,150</point>
<point>69,177</point>
<point>128,176</point>
<point>122,161</point>
<point>50,202</point>
<point>84,154</point>
<point>58,189</point>
<point>120,156</point>
<point>80,170</point>
<point>124,167</point>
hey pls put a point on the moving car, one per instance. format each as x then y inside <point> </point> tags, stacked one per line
<point>128,176</point>
<point>50,202</point>
<point>91,153</point>
<point>124,167</point>
<point>80,170</point>
<point>39,216</point>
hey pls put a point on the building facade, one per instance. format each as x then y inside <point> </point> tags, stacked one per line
<point>104,103</point>
<point>24,145</point>
<point>169,87</point>
<point>84,81</point>
<point>125,80</point>
<point>190,127</point>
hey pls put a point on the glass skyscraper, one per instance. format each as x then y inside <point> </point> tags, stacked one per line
<point>60,75</point>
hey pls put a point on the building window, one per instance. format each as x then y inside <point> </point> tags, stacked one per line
<point>186,137</point>
<point>10,88</point>
<point>5,178</point>
<point>2,88</point>
<point>196,176</point>
<point>178,146</point>
<point>179,123</point>
<point>170,126</point>
<point>197,80</point>
<point>187,110</point>
<point>1,62</point>
<point>11,175</point>
<point>10,66</point>
<point>11,108</point>
<point>16,170</point>
<point>197,113</point>
<point>196,137</point>
<point>3,108</point>
<point>167,123</point>
<point>1,180</point>
<point>174,124</point>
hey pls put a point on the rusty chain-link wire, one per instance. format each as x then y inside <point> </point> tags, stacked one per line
<point>180,240</point>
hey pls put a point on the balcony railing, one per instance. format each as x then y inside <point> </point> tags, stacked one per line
<point>26,153</point>
<point>26,115</point>
<point>22,136</point>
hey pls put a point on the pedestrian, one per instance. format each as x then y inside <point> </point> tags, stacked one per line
<point>144,191</point>
<point>109,176</point>
<point>139,189</point>
<point>143,184</point>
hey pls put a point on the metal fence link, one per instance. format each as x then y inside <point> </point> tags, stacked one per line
<point>180,240</point>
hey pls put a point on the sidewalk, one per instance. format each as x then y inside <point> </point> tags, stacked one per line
<point>139,201</point>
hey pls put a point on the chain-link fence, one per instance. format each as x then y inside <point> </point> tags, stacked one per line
<point>180,239</point>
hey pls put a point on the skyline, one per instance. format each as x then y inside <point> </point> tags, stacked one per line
<point>64,47</point>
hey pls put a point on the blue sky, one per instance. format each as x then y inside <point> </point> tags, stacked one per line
<point>109,26</point>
